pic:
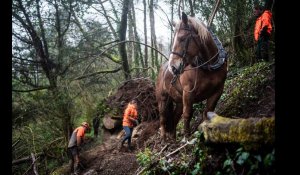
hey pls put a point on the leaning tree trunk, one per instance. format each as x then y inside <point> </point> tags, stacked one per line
<point>122,35</point>
<point>246,131</point>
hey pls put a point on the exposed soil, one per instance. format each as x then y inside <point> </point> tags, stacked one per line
<point>110,158</point>
<point>107,159</point>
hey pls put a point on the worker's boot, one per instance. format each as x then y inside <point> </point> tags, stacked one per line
<point>130,148</point>
<point>76,168</point>
<point>71,166</point>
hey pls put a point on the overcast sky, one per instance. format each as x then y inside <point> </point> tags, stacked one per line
<point>162,28</point>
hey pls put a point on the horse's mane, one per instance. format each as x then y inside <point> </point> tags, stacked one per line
<point>199,26</point>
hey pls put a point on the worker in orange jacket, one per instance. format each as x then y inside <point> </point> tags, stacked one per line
<point>262,31</point>
<point>130,120</point>
<point>74,145</point>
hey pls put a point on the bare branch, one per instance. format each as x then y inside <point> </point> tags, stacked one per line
<point>25,40</point>
<point>99,72</point>
<point>126,41</point>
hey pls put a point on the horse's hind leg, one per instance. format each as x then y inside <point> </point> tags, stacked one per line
<point>165,107</point>
<point>212,102</point>
<point>176,118</point>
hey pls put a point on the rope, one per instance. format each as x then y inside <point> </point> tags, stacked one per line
<point>203,63</point>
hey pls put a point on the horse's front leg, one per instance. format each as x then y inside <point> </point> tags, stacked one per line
<point>212,101</point>
<point>187,111</point>
<point>176,118</point>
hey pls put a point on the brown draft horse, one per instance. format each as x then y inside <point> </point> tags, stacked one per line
<point>196,71</point>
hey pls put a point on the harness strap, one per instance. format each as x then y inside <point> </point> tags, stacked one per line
<point>222,54</point>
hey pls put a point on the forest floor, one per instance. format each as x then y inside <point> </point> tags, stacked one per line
<point>108,158</point>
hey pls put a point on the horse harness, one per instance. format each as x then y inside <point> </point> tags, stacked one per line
<point>222,55</point>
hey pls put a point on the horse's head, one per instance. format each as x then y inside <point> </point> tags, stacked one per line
<point>190,43</point>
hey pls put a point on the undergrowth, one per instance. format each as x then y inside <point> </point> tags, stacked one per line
<point>244,88</point>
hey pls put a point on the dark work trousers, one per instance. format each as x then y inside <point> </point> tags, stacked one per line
<point>128,133</point>
<point>262,50</point>
<point>73,152</point>
<point>96,126</point>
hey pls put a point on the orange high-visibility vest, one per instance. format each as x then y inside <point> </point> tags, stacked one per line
<point>130,111</point>
<point>261,22</point>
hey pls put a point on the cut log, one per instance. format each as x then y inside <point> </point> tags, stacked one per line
<point>226,130</point>
<point>110,123</point>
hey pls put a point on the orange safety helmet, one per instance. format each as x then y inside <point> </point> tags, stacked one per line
<point>85,124</point>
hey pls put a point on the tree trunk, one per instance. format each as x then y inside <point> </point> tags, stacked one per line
<point>122,35</point>
<point>130,46</point>
<point>172,20</point>
<point>145,36</point>
<point>138,50</point>
<point>40,45</point>
<point>238,45</point>
<point>226,130</point>
<point>191,8</point>
<point>154,54</point>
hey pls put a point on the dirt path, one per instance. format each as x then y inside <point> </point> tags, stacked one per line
<point>108,159</point>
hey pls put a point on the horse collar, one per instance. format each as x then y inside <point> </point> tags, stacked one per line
<point>222,54</point>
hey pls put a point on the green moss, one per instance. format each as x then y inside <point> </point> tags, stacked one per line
<point>252,130</point>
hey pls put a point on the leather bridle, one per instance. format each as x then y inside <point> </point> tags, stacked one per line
<point>183,54</point>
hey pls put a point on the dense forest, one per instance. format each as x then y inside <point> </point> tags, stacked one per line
<point>75,60</point>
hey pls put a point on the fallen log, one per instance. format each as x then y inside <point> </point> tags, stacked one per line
<point>219,129</point>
